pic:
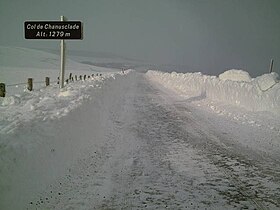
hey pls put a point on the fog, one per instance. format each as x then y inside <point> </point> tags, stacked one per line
<point>204,35</point>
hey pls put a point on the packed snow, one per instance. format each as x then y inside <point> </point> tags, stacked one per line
<point>235,75</point>
<point>128,140</point>
<point>267,81</point>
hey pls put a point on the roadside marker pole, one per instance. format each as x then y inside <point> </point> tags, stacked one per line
<point>271,66</point>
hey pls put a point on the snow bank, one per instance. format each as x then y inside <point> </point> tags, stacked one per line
<point>44,131</point>
<point>47,103</point>
<point>235,75</point>
<point>235,88</point>
<point>266,81</point>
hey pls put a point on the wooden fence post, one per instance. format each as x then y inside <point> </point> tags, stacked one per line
<point>67,81</point>
<point>47,81</point>
<point>2,90</point>
<point>30,84</point>
<point>81,77</point>
<point>70,76</point>
<point>76,77</point>
<point>85,76</point>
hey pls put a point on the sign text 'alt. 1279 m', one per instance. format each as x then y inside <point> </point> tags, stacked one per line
<point>53,30</point>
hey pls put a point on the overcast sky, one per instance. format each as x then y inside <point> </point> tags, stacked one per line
<point>206,35</point>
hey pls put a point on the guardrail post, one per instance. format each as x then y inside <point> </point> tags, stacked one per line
<point>30,84</point>
<point>2,90</point>
<point>47,81</point>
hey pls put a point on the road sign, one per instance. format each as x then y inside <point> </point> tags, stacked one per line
<point>53,30</point>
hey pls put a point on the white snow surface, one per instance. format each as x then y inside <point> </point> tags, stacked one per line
<point>260,94</point>
<point>59,138</point>
<point>235,75</point>
<point>31,58</point>
<point>267,81</point>
<point>48,102</point>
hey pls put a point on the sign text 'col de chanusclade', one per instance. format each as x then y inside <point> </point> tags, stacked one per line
<point>53,30</point>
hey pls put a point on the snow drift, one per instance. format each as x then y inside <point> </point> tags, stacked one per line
<point>235,75</point>
<point>267,81</point>
<point>232,87</point>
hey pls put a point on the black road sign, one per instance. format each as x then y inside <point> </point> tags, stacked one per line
<point>53,30</point>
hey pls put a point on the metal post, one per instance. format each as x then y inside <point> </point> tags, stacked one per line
<point>62,60</point>
<point>271,66</point>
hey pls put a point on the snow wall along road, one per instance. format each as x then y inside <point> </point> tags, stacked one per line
<point>39,150</point>
<point>259,94</point>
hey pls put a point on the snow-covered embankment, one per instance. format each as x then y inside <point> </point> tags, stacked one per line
<point>233,87</point>
<point>44,131</point>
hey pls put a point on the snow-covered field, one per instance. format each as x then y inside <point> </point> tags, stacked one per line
<point>19,64</point>
<point>135,141</point>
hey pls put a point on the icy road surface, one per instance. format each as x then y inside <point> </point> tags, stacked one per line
<point>160,152</point>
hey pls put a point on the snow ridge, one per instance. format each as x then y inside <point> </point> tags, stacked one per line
<point>259,94</point>
<point>47,103</point>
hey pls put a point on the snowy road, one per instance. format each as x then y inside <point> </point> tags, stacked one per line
<point>160,152</point>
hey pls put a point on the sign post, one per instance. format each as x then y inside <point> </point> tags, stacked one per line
<point>62,60</point>
<point>55,30</point>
